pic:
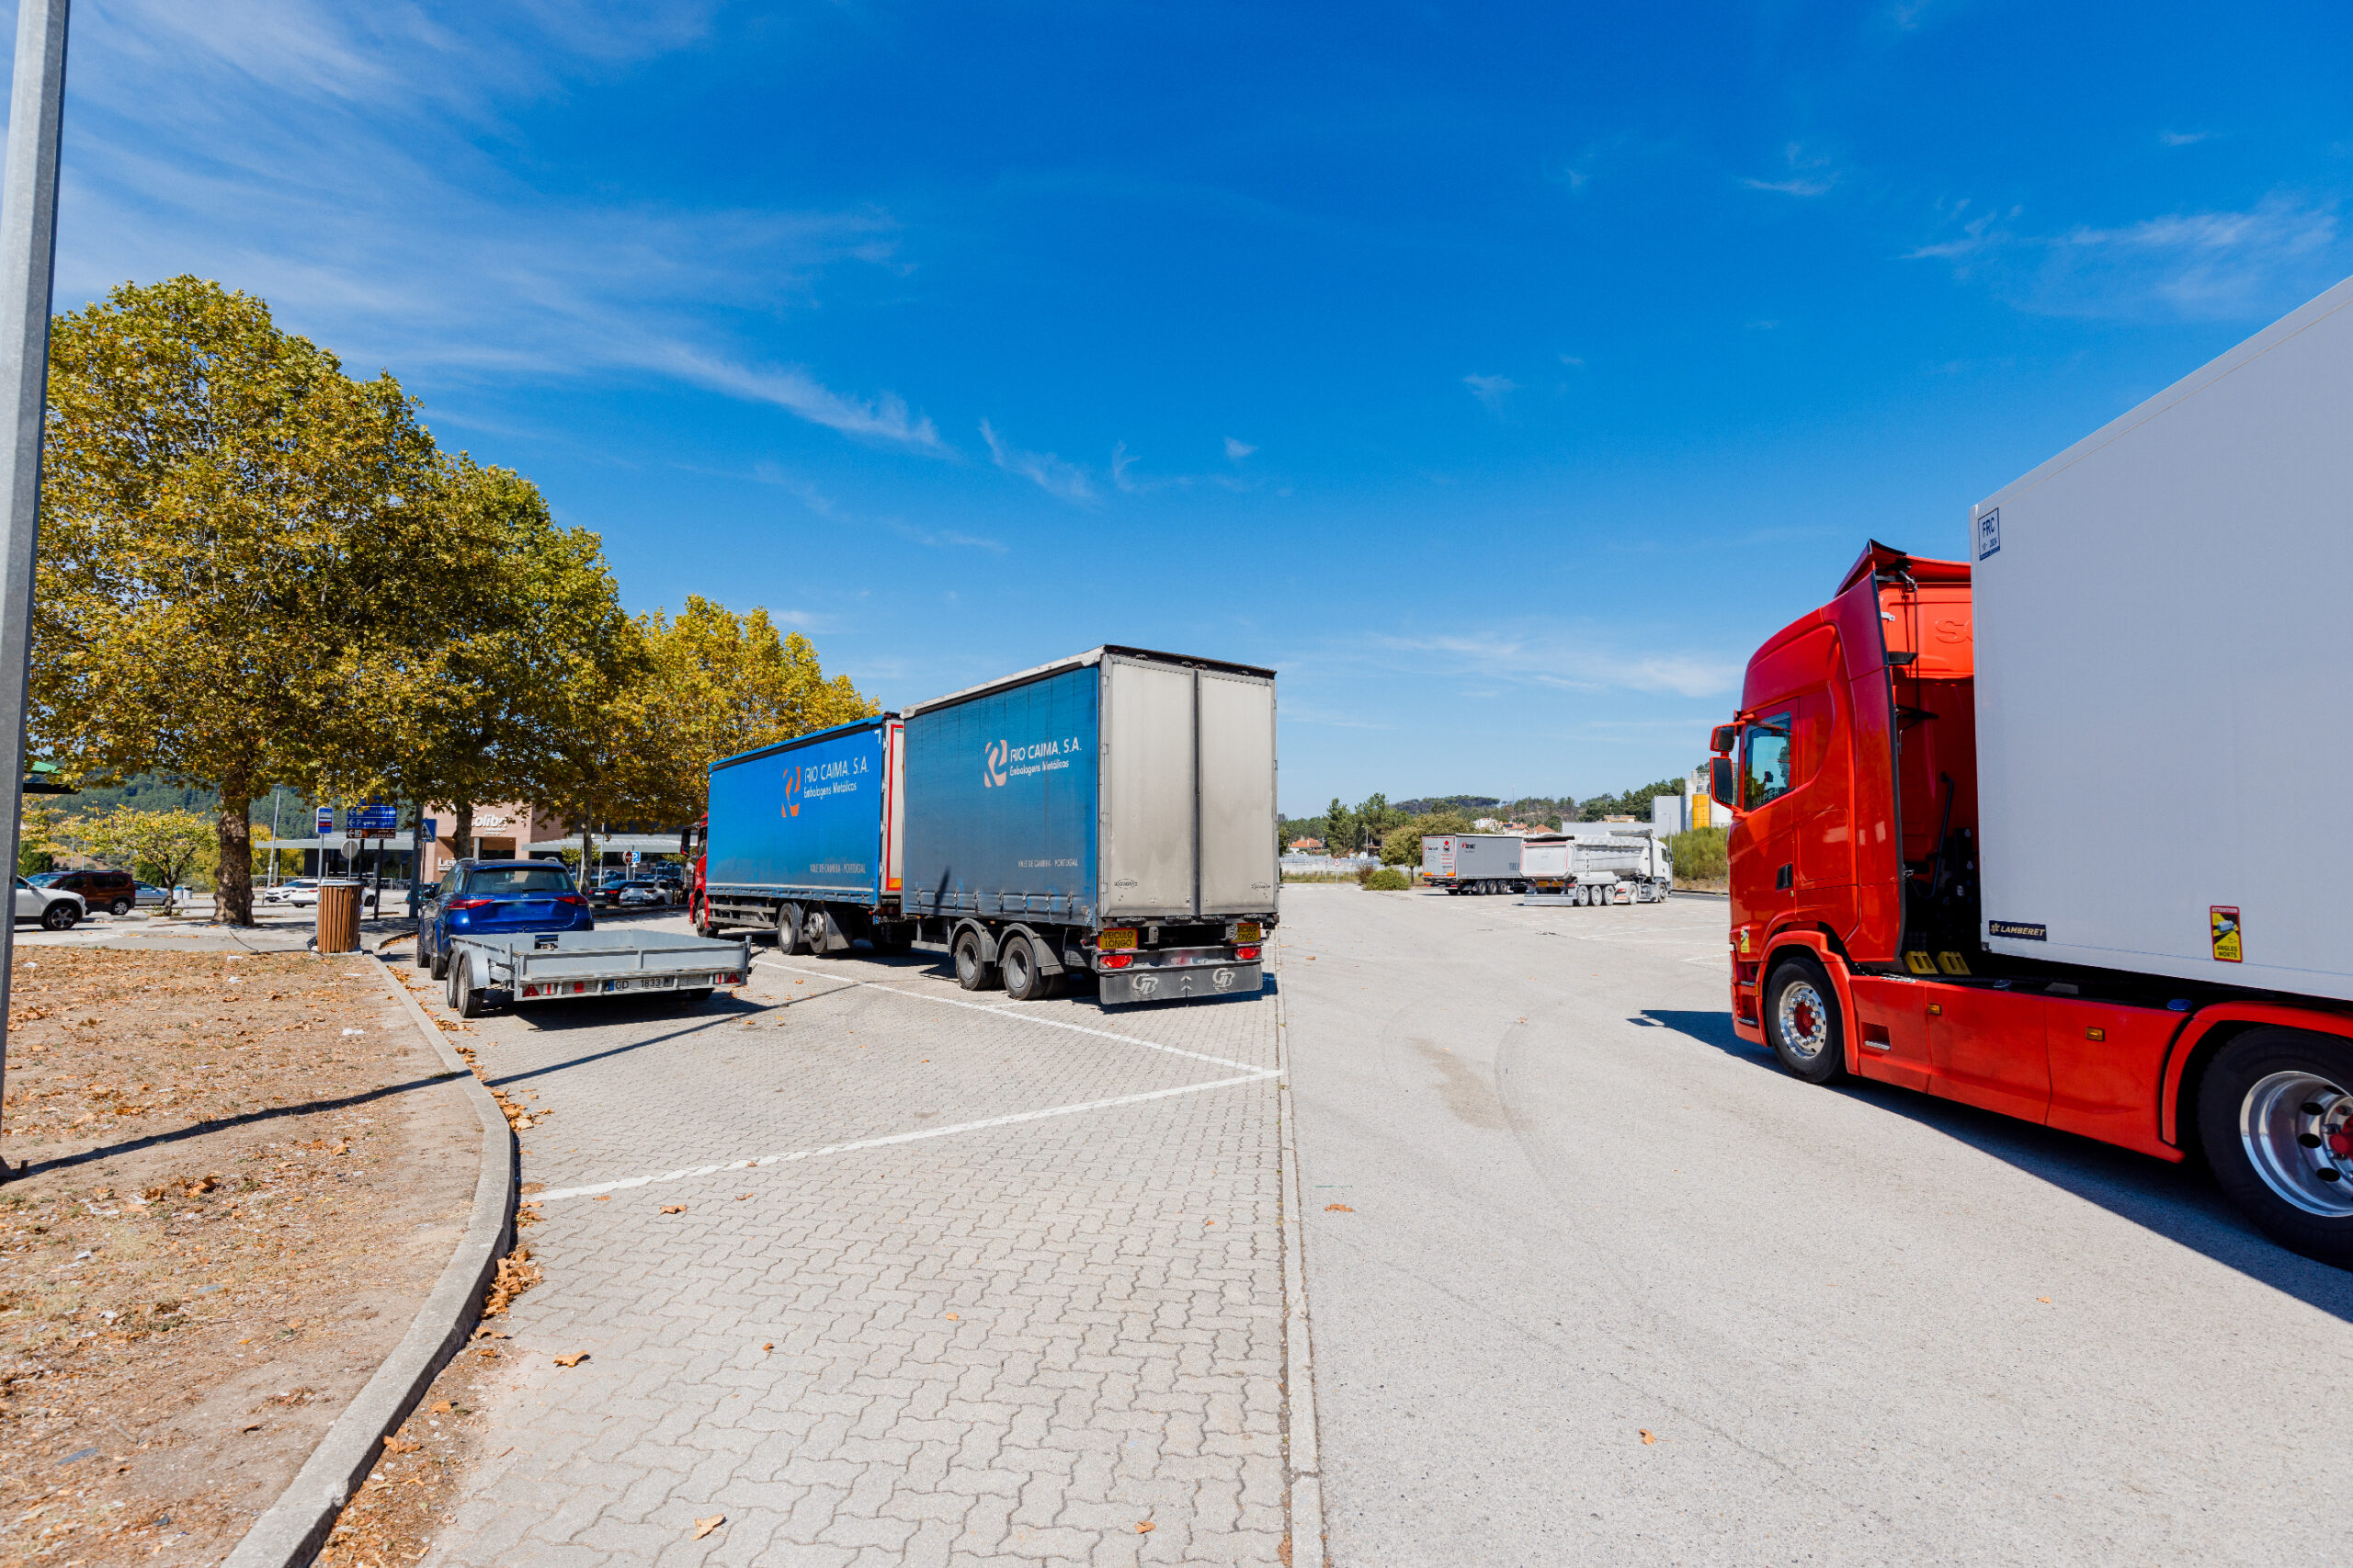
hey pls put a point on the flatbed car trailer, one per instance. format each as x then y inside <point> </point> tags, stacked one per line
<point>577,966</point>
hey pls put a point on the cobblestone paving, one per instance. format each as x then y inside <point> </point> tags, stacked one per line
<point>1014,1343</point>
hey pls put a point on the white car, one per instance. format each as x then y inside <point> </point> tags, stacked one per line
<point>284,891</point>
<point>56,911</point>
<point>305,895</point>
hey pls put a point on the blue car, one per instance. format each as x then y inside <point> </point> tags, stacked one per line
<point>494,898</point>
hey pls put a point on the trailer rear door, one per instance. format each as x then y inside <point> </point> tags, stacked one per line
<point>1237,793</point>
<point>1148,785</point>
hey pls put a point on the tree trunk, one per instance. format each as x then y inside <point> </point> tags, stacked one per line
<point>234,901</point>
<point>586,882</point>
<point>463,838</point>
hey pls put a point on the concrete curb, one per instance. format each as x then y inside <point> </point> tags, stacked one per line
<point>295,1526</point>
<point>1305,1500</point>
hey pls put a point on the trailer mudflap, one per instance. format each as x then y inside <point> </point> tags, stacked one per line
<point>1119,987</point>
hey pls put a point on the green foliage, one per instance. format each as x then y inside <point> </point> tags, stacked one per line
<point>1635,803</point>
<point>1698,855</point>
<point>1402,844</point>
<point>166,849</point>
<point>1389,878</point>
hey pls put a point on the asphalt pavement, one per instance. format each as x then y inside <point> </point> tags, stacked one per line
<point>1604,1285</point>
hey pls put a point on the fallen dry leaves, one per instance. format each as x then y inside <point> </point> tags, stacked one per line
<point>572,1360</point>
<point>1648,1436</point>
<point>704,1526</point>
<point>674,1208</point>
<point>1338,1209</point>
<point>1145,1526</point>
<point>517,1274</point>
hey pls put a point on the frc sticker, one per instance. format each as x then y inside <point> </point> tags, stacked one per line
<point>1989,534</point>
<point>2222,922</point>
<point>2017,930</point>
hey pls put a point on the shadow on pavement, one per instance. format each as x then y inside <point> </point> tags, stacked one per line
<point>223,1124</point>
<point>2179,1202</point>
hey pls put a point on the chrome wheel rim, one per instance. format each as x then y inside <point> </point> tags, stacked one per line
<point>1803,1019</point>
<point>2297,1129</point>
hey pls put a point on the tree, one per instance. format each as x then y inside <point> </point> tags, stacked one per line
<point>1339,829</point>
<point>165,846</point>
<point>542,615</point>
<point>1402,846</point>
<point>724,683</point>
<point>39,838</point>
<point>1632,803</point>
<point>237,583</point>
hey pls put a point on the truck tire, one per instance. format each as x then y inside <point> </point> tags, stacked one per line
<point>1802,1021</point>
<point>791,931</point>
<point>973,973</point>
<point>1025,979</point>
<point>2274,1114</point>
<point>814,934</point>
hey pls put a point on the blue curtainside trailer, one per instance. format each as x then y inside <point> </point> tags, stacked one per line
<point>1112,815</point>
<point>804,837</point>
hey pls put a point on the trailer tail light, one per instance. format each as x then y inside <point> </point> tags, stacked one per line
<point>1245,953</point>
<point>1119,960</point>
<point>727,980</point>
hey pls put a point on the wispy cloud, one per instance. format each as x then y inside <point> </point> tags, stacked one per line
<point>332,159</point>
<point>2188,266</point>
<point>2183,138</point>
<point>1806,174</point>
<point>1237,450</point>
<point>1491,389</point>
<point>1049,472</point>
<point>1566,658</point>
<point>824,505</point>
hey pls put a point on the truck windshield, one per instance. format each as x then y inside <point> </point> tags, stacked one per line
<point>496,879</point>
<point>1766,774</point>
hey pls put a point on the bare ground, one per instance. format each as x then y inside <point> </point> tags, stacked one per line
<point>246,1172</point>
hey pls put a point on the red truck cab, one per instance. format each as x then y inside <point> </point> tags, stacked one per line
<point>1851,772</point>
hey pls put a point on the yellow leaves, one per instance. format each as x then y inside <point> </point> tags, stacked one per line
<point>1648,1437</point>
<point>574,1360</point>
<point>1338,1209</point>
<point>674,1208</point>
<point>704,1526</point>
<point>401,1445</point>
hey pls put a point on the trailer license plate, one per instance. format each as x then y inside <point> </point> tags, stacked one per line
<point>1116,938</point>
<point>1246,932</point>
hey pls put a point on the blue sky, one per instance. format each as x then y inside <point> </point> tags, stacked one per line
<point>1501,375</point>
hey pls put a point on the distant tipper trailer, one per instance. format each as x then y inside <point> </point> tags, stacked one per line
<point>1472,862</point>
<point>1590,863</point>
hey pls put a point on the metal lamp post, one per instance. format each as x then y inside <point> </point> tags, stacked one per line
<point>27,262</point>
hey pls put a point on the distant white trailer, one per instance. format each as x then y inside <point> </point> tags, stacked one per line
<point>1472,862</point>
<point>1589,863</point>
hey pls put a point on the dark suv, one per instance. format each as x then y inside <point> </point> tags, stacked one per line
<point>117,892</point>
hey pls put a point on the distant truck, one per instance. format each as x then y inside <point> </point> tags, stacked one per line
<point>804,838</point>
<point>1112,815</point>
<point>2153,621</point>
<point>1594,863</point>
<point>1472,862</point>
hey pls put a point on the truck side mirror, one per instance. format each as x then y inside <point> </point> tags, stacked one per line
<point>1720,781</point>
<point>1719,738</point>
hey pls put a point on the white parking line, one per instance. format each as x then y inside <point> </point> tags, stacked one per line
<point>1009,1012</point>
<point>595,1187</point>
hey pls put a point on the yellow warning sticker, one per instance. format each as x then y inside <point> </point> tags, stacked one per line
<point>2223,920</point>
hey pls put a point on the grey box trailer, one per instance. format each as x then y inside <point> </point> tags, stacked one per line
<point>1110,814</point>
<point>1472,862</point>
